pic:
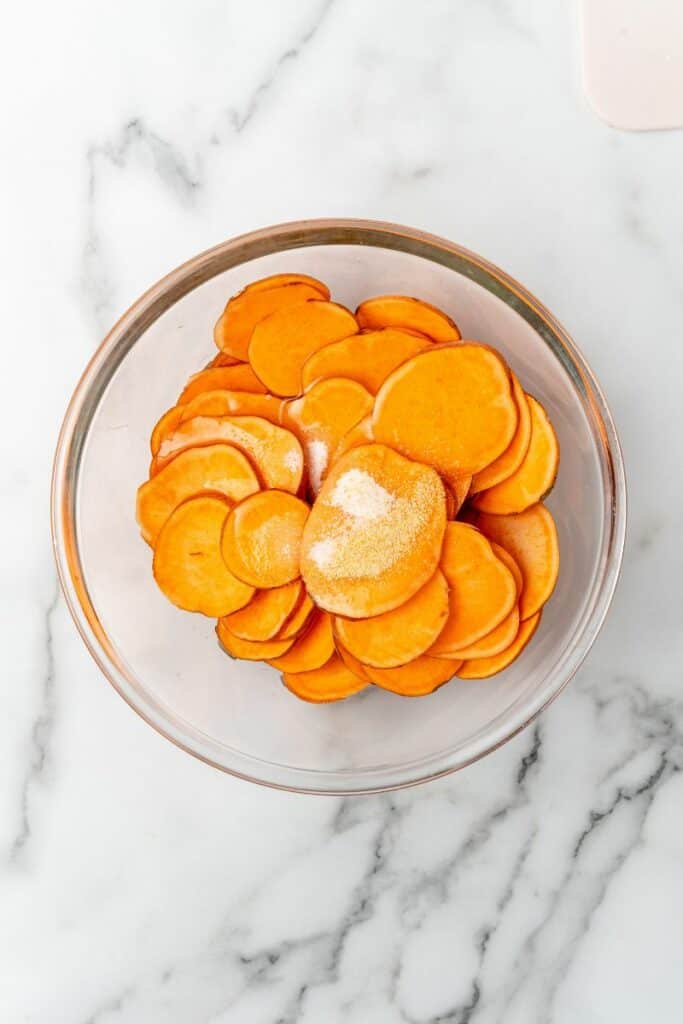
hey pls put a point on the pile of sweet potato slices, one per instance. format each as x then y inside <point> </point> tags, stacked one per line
<point>356,498</point>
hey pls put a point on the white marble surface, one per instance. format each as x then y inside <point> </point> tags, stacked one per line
<point>138,886</point>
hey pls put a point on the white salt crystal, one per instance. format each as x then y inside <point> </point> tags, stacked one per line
<point>322,552</point>
<point>359,495</point>
<point>318,455</point>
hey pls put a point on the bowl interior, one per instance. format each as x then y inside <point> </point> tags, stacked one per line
<point>237,714</point>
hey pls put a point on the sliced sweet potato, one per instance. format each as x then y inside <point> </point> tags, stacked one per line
<point>507,559</point>
<point>312,649</point>
<point>239,377</point>
<point>481,668</point>
<point>218,468</point>
<point>352,663</point>
<point>222,359</point>
<point>249,650</point>
<point>233,403</point>
<point>401,635</point>
<point>493,643</point>
<point>299,619</point>
<point>279,280</point>
<point>374,534</point>
<point>367,358</point>
<point>404,311</point>
<point>417,678</point>
<point>188,565</point>
<point>531,539</point>
<point>506,463</point>
<point>321,417</point>
<point>534,476</point>
<point>482,588</point>
<point>274,452</point>
<point>262,538</point>
<point>450,406</point>
<point>281,344</point>
<point>334,681</point>
<point>358,435</point>
<point>164,426</point>
<point>243,312</point>
<point>266,613</point>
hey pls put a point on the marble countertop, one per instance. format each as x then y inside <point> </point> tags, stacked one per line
<point>544,885</point>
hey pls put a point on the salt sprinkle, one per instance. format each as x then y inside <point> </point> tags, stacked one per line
<point>359,495</point>
<point>318,455</point>
<point>292,460</point>
<point>323,551</point>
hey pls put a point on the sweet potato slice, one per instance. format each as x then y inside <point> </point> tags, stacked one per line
<point>352,663</point>
<point>534,476</point>
<point>222,359</point>
<point>249,650</point>
<point>401,635</point>
<point>275,453</point>
<point>506,463</point>
<point>334,681</point>
<point>482,588</point>
<point>243,312</point>
<point>239,377</point>
<point>493,643</point>
<point>358,435</point>
<point>374,534</point>
<point>450,406</point>
<point>531,539</point>
<point>312,649</point>
<point>481,668</point>
<point>404,311</point>
<point>321,417</point>
<point>280,280</point>
<point>218,468</point>
<point>233,403</point>
<point>188,565</point>
<point>417,678</point>
<point>164,426</point>
<point>281,344</point>
<point>266,613</point>
<point>299,619</point>
<point>507,559</point>
<point>262,538</point>
<point>366,358</point>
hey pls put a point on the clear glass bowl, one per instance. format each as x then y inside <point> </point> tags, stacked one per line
<point>166,663</point>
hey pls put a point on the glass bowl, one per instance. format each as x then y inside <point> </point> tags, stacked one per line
<point>167,664</point>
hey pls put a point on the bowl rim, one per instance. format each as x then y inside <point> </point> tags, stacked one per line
<point>189,275</point>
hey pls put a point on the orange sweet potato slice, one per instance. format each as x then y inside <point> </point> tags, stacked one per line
<point>262,538</point>
<point>266,613</point>
<point>482,588</point>
<point>417,678</point>
<point>334,681</point>
<point>249,650</point>
<point>280,280</point>
<point>531,539</point>
<point>239,377</point>
<point>281,344</point>
<point>374,534</point>
<point>321,417</point>
<point>218,468</point>
<point>367,358</point>
<point>358,435</point>
<point>450,406</point>
<point>243,312</point>
<point>481,668</point>
<point>274,452</point>
<point>507,559</point>
<point>534,476</point>
<point>506,463</point>
<point>222,359</point>
<point>494,642</point>
<point>404,311</point>
<point>188,565</point>
<point>299,619</point>
<point>233,403</point>
<point>401,635</point>
<point>164,426</point>
<point>352,663</point>
<point>312,649</point>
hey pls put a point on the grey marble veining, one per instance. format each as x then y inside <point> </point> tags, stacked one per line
<point>543,885</point>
